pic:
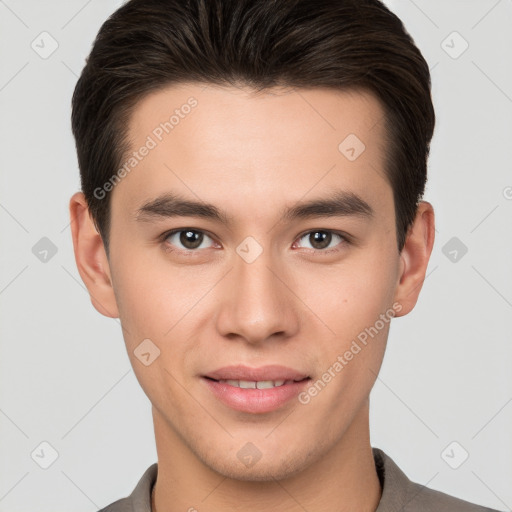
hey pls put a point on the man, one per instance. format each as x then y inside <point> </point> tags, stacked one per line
<point>252,174</point>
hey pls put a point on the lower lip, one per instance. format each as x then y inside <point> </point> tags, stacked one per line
<point>255,400</point>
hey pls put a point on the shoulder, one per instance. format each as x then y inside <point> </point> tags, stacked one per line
<point>401,494</point>
<point>421,498</point>
<point>140,498</point>
<point>122,505</point>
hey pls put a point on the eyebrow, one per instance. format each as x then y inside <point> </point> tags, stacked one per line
<point>341,203</point>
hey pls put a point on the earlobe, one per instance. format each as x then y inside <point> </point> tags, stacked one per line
<point>90,256</point>
<point>414,257</point>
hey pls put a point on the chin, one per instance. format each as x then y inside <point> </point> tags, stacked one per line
<point>266,469</point>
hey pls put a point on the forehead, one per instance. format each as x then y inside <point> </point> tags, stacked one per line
<point>228,143</point>
<point>322,111</point>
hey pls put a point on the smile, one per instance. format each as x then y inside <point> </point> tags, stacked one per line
<point>255,397</point>
<point>261,384</point>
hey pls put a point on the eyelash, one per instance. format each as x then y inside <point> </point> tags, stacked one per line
<point>345,240</point>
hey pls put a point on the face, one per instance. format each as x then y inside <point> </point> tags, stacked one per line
<point>285,267</point>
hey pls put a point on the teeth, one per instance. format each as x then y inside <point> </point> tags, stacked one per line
<point>251,384</point>
<point>247,384</point>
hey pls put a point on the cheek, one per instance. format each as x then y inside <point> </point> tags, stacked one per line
<point>153,305</point>
<point>350,296</point>
<point>151,297</point>
<point>356,307</point>
<point>163,303</point>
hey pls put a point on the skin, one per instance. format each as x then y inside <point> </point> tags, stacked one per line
<point>252,155</point>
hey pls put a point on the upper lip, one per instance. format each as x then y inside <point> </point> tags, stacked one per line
<point>271,372</point>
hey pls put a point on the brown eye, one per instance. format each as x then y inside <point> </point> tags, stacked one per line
<point>186,239</point>
<point>322,239</point>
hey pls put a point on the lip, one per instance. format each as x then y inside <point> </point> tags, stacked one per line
<point>269,372</point>
<point>255,401</point>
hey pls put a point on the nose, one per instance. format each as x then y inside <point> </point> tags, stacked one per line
<point>256,303</point>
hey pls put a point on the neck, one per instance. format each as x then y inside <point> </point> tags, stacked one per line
<point>344,479</point>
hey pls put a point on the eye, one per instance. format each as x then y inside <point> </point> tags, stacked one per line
<point>190,239</point>
<point>320,239</point>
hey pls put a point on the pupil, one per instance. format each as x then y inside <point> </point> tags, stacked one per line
<point>186,237</point>
<point>322,237</point>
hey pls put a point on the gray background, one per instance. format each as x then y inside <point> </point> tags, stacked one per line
<point>65,376</point>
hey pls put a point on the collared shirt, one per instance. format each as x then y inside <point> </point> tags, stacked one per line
<point>399,494</point>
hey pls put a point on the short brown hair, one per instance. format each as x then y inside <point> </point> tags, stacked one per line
<point>346,44</point>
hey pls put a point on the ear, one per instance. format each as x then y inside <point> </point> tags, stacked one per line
<point>414,257</point>
<point>91,258</point>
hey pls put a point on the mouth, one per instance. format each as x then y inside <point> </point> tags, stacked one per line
<point>268,373</point>
<point>257,384</point>
<point>255,390</point>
